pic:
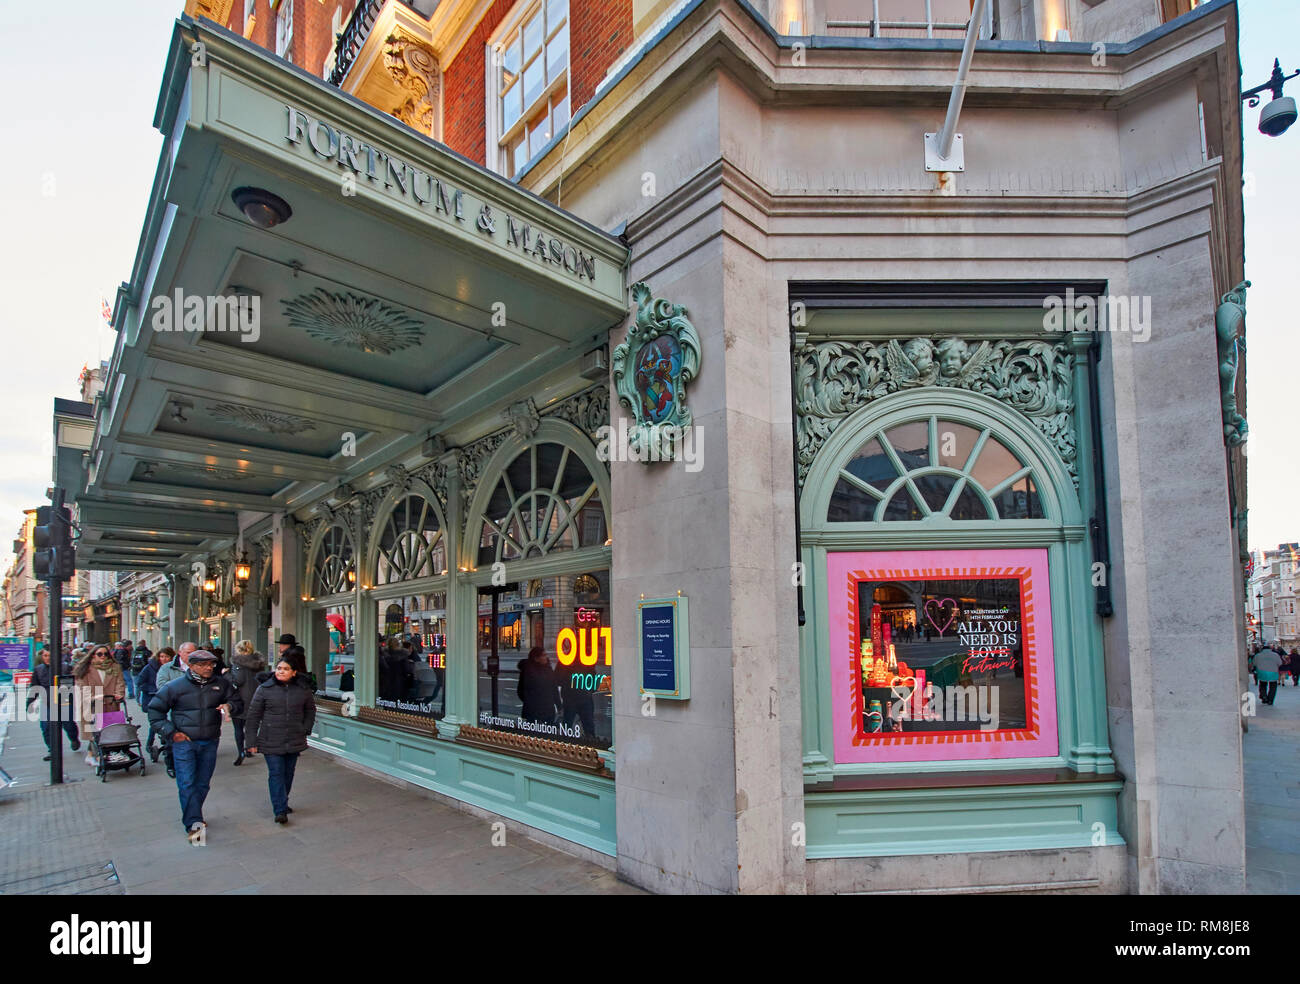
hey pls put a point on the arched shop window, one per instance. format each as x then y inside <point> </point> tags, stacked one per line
<point>541,514</point>
<point>410,566</point>
<point>545,501</point>
<point>410,542</point>
<point>939,528</point>
<point>933,469</point>
<point>334,569</point>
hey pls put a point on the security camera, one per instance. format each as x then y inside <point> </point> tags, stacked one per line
<point>1277,116</point>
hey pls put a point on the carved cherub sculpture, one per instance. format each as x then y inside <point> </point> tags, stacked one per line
<point>912,363</point>
<point>958,366</point>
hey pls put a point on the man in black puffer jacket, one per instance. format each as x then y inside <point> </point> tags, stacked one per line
<point>195,704</point>
<point>279,719</point>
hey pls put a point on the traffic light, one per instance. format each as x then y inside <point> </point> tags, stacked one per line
<point>54,556</point>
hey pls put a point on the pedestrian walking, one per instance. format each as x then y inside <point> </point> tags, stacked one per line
<point>285,642</point>
<point>100,688</point>
<point>1267,666</point>
<point>297,658</point>
<point>42,681</point>
<point>167,672</point>
<point>245,666</point>
<point>122,656</point>
<point>146,685</point>
<point>139,656</point>
<point>1293,666</point>
<point>188,712</point>
<point>280,716</point>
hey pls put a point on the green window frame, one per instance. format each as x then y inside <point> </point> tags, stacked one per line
<point>1061,529</point>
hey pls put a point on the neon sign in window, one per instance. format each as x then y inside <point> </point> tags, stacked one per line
<point>587,646</point>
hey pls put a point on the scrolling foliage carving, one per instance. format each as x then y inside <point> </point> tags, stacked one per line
<point>835,378</point>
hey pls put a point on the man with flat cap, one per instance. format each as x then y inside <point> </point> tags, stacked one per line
<point>188,712</point>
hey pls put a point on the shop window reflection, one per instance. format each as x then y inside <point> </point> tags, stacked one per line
<point>340,648</point>
<point>564,692</point>
<point>411,663</point>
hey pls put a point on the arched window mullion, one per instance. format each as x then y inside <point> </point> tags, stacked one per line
<point>899,467</point>
<point>858,483</point>
<point>953,496</point>
<point>933,432</point>
<point>567,515</point>
<point>555,488</point>
<point>975,451</point>
<point>504,534</point>
<point>891,490</point>
<point>522,525</point>
<point>1011,480</point>
<point>918,498</point>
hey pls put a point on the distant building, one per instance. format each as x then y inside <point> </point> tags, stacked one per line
<point>1271,600</point>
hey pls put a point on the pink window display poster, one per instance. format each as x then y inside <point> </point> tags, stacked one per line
<point>969,673</point>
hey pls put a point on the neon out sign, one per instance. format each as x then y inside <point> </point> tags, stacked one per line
<point>585,645</point>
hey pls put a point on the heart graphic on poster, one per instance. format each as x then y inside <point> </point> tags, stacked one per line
<point>938,609</point>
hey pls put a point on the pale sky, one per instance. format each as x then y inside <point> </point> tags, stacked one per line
<point>79,81</point>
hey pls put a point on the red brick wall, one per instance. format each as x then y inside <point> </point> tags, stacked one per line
<point>464,89</point>
<point>312,46</point>
<point>599,32</point>
<point>312,37</point>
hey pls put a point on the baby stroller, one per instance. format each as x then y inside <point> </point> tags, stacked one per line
<point>119,748</point>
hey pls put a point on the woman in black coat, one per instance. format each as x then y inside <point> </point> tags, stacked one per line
<point>277,723</point>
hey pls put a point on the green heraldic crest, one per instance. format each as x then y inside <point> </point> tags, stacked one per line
<point>651,369</point>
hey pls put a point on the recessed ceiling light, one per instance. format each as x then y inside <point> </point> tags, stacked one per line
<point>260,207</point>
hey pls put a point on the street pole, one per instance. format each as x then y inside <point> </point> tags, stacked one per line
<point>54,588</point>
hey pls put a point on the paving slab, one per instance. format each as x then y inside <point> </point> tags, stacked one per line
<point>1271,760</point>
<point>350,832</point>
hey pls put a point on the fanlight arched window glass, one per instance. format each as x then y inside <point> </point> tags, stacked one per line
<point>410,542</point>
<point>545,501</point>
<point>335,560</point>
<point>933,470</point>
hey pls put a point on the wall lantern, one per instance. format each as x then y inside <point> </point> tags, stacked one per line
<point>242,569</point>
<point>209,585</point>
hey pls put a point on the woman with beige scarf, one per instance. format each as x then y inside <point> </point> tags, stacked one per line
<point>100,687</point>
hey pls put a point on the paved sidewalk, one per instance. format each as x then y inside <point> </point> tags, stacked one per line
<point>1271,754</point>
<point>351,833</point>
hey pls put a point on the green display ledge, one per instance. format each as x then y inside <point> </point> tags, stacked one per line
<point>573,805</point>
<point>897,815</point>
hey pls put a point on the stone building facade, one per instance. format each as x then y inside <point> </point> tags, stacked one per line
<point>985,407</point>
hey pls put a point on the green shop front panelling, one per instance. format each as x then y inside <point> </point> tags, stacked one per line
<point>576,806</point>
<point>938,821</point>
